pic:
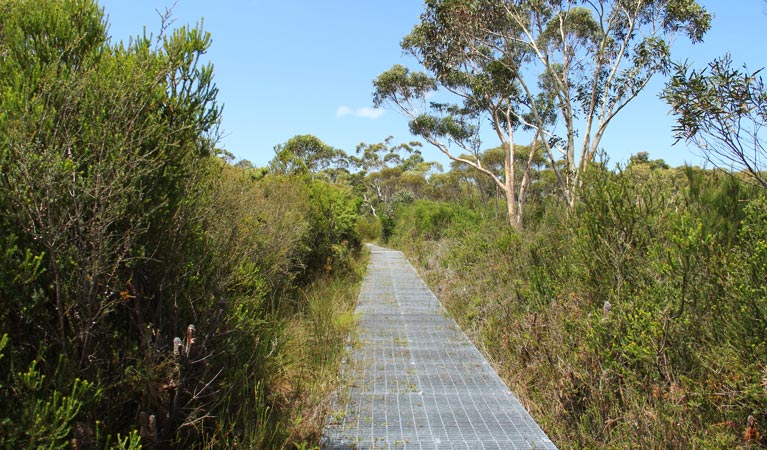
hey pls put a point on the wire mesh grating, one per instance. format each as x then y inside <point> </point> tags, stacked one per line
<point>415,381</point>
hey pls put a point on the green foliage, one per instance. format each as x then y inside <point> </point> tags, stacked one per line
<point>131,441</point>
<point>369,229</point>
<point>617,219</point>
<point>562,69</point>
<point>722,110</point>
<point>400,83</point>
<point>636,320</point>
<point>333,216</point>
<point>390,176</point>
<point>578,22</point>
<point>38,414</point>
<point>165,283</point>
<point>430,221</point>
<point>306,154</point>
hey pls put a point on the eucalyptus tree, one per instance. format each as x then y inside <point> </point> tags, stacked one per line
<point>307,154</point>
<point>560,69</point>
<point>722,110</point>
<point>386,170</point>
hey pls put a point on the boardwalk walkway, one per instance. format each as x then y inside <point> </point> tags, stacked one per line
<point>414,380</point>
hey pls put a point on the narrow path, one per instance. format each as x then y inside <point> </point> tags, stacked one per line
<point>415,381</point>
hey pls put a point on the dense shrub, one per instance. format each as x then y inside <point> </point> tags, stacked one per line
<point>636,321</point>
<point>150,293</point>
<point>369,228</point>
<point>429,220</point>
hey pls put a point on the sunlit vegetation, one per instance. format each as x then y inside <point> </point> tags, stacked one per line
<point>636,321</point>
<point>626,306</point>
<point>156,294</point>
<point>151,293</point>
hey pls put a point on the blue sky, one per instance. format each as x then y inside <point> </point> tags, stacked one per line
<point>293,67</point>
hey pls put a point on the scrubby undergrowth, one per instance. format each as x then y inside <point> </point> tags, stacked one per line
<point>151,293</point>
<point>636,321</point>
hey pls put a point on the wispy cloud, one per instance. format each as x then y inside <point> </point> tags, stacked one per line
<point>367,113</point>
<point>343,111</point>
<point>370,113</point>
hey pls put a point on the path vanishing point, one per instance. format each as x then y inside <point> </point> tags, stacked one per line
<point>413,380</point>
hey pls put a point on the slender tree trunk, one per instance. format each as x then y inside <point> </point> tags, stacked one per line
<point>526,179</point>
<point>511,200</point>
<point>511,210</point>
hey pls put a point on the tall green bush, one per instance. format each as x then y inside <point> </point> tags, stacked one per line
<point>147,288</point>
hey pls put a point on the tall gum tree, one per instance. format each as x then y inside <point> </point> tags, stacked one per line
<point>562,69</point>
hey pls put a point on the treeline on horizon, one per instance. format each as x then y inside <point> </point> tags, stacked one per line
<point>156,294</point>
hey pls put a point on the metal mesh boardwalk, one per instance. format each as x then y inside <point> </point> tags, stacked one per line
<point>415,381</point>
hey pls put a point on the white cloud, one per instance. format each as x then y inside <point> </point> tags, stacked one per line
<point>367,113</point>
<point>370,113</point>
<point>343,111</point>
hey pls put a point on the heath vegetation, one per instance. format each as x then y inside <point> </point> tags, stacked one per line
<point>155,294</point>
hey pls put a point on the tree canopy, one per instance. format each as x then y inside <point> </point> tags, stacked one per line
<point>562,70</point>
<point>722,110</point>
<point>308,155</point>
